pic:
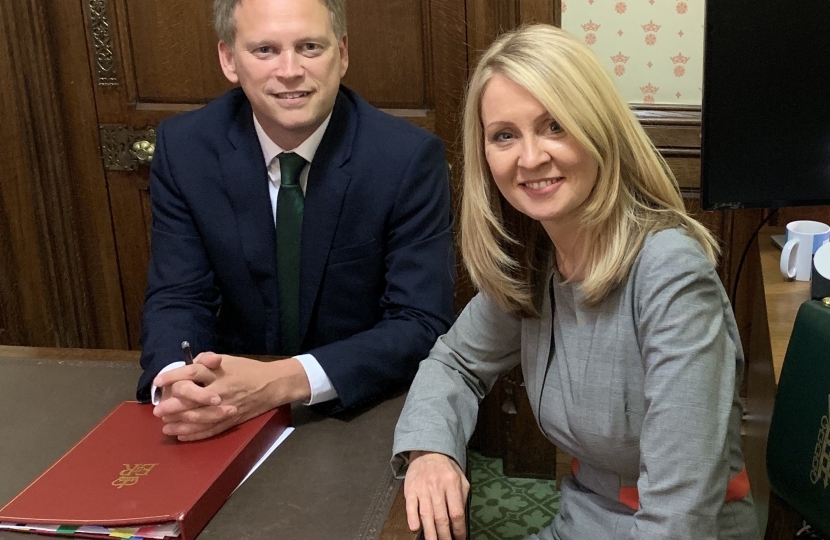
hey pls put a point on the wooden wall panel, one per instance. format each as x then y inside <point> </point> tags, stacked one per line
<point>389,62</point>
<point>687,172</point>
<point>487,19</point>
<point>448,50</point>
<point>675,137</point>
<point>130,202</point>
<point>815,213</point>
<point>59,284</point>
<point>79,129</point>
<point>36,207</point>
<point>173,48</point>
<point>539,11</point>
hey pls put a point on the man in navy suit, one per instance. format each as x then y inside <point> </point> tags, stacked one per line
<point>290,217</point>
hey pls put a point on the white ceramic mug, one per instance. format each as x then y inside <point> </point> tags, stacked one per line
<point>803,239</point>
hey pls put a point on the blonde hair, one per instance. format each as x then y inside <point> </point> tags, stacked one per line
<point>225,24</point>
<point>507,253</point>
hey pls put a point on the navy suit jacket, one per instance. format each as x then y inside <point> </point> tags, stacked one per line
<point>377,264</point>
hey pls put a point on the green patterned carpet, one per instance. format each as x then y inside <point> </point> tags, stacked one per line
<point>507,508</point>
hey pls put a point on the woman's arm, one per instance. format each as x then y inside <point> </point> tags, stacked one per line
<point>440,413</point>
<point>691,355</point>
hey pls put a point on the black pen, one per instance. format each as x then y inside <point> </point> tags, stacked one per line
<point>188,356</point>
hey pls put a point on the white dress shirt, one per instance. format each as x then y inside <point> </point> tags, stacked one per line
<point>321,387</point>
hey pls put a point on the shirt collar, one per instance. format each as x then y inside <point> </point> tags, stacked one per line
<point>307,148</point>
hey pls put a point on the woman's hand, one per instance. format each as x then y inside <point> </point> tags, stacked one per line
<point>436,495</point>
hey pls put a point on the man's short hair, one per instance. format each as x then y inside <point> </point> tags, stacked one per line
<point>225,25</point>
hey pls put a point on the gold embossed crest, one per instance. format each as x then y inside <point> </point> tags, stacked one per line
<point>821,458</point>
<point>131,474</point>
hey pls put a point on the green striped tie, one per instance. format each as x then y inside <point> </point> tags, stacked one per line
<point>289,231</point>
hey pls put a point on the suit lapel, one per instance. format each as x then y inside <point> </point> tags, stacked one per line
<point>246,181</point>
<point>328,181</point>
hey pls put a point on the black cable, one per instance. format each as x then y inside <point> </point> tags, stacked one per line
<point>743,258</point>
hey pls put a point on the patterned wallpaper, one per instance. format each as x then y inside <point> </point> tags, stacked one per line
<point>654,48</point>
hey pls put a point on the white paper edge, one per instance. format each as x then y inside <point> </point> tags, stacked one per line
<point>274,446</point>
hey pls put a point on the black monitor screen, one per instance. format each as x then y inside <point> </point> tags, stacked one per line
<point>766,104</point>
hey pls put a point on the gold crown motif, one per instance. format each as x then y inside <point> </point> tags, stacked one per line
<point>590,26</point>
<point>620,58</point>
<point>679,59</point>
<point>651,27</point>
<point>649,89</point>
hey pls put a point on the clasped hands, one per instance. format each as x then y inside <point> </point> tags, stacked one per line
<point>219,391</point>
<point>436,496</point>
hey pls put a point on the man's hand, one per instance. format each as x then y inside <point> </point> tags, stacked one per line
<point>245,388</point>
<point>436,495</point>
<point>182,388</point>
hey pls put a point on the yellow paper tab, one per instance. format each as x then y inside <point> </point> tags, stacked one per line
<point>123,532</point>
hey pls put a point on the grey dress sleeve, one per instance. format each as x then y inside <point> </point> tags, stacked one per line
<point>442,405</point>
<point>691,357</point>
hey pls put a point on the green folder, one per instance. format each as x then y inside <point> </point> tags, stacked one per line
<point>798,448</point>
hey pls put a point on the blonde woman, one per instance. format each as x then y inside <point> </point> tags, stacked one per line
<point>593,277</point>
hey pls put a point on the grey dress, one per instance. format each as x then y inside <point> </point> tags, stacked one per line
<point>642,389</point>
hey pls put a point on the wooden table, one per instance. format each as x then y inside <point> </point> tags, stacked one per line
<point>44,410</point>
<point>776,304</point>
<point>783,298</point>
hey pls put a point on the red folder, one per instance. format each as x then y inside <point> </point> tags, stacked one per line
<point>127,473</point>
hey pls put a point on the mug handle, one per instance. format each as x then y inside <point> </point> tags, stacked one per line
<point>787,264</point>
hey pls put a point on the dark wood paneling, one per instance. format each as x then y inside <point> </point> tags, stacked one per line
<point>59,283</point>
<point>815,213</point>
<point>96,251</point>
<point>130,203</point>
<point>172,47</point>
<point>524,446</point>
<point>40,211</point>
<point>21,318</point>
<point>390,66</point>
<point>448,35</point>
<point>146,94</point>
<point>424,118</point>
<point>675,137</point>
<point>687,172</point>
<point>486,19</point>
<point>540,11</point>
